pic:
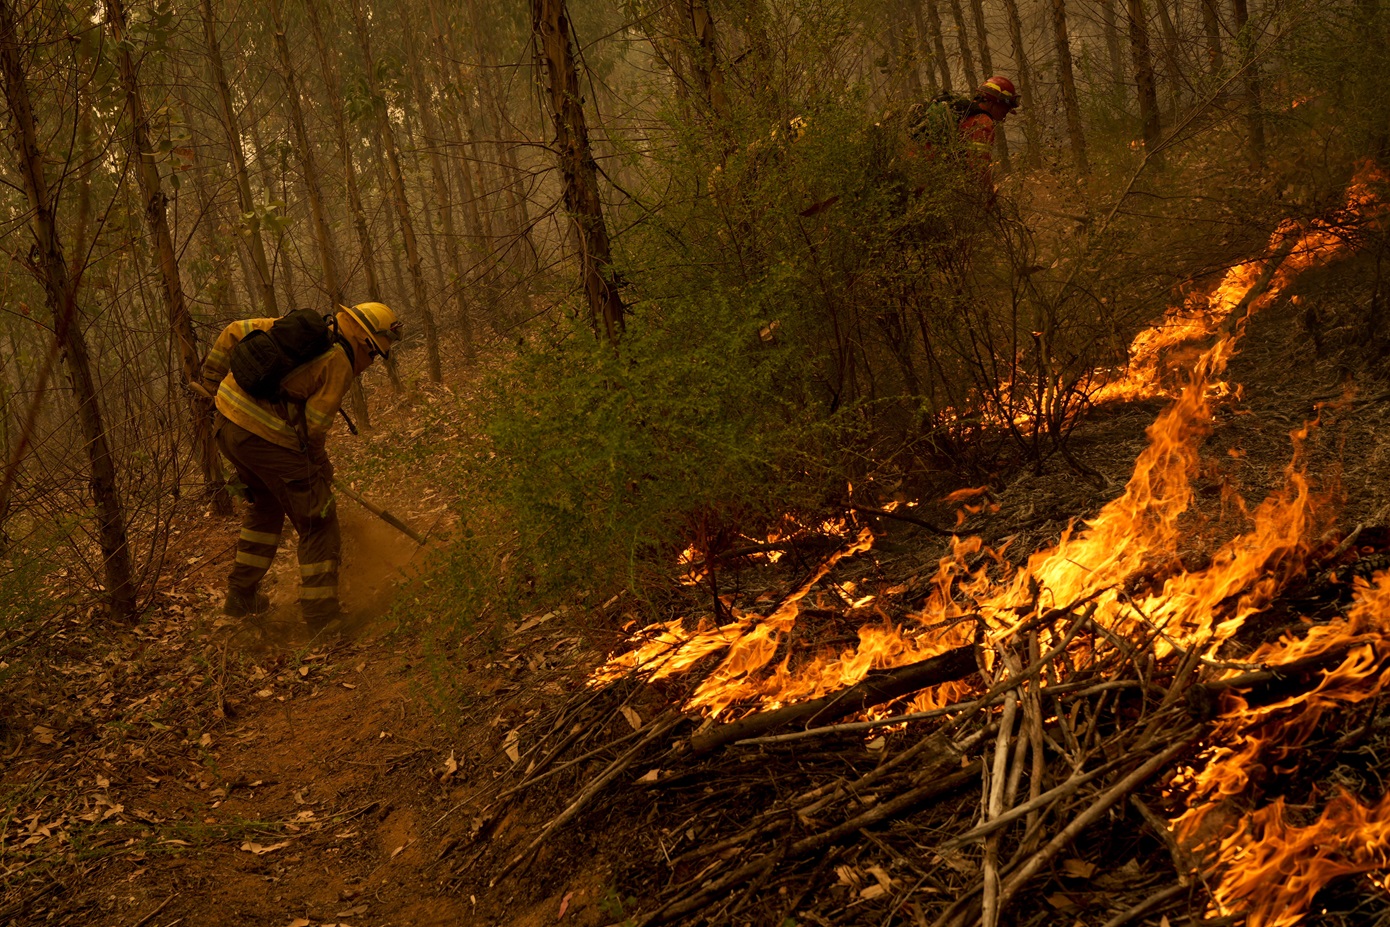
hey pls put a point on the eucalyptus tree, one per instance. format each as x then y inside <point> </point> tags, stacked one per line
<point>48,264</point>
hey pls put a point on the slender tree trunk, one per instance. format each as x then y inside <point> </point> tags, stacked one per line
<point>1144,73</point>
<point>456,117</point>
<point>977,11</point>
<point>210,218</point>
<point>519,251</point>
<point>517,205</point>
<point>443,201</point>
<point>265,285</point>
<point>480,275</point>
<point>1114,48</point>
<point>1211,25</point>
<point>387,135</point>
<point>919,22</point>
<point>393,257</point>
<point>323,236</point>
<point>550,29</point>
<point>706,57</point>
<point>967,60</point>
<point>1025,82</point>
<point>1171,62</point>
<point>60,292</point>
<point>260,168</point>
<point>1062,40</point>
<point>142,154</point>
<point>1254,113</point>
<point>938,43</point>
<point>334,86</point>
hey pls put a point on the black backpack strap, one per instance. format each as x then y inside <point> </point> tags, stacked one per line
<point>346,345</point>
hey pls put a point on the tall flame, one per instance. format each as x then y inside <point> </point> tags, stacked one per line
<point>1267,866</point>
<point>1200,316</point>
<point>1127,538</point>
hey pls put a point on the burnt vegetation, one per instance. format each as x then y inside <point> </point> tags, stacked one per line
<point>821,525</point>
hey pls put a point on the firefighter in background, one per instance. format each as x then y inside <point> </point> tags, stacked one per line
<point>277,448</point>
<point>993,102</point>
<point>962,128</point>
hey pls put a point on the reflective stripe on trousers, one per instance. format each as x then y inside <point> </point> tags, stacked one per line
<point>282,483</point>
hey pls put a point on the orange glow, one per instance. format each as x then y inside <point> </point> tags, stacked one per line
<point>1201,317</point>
<point>1126,564</point>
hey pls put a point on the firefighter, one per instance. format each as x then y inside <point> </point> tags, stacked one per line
<point>961,128</point>
<point>993,102</point>
<point>277,448</point>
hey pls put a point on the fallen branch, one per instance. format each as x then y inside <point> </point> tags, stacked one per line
<point>658,728</point>
<point>873,690</point>
<point>903,516</point>
<point>1145,906</point>
<point>1085,819</point>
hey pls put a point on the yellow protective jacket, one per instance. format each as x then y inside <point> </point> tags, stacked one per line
<point>312,393</point>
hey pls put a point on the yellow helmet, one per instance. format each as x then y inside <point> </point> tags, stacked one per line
<point>379,323</point>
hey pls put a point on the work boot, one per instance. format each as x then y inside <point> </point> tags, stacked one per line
<point>245,603</point>
<point>325,627</point>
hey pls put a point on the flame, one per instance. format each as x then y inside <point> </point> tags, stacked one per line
<point>1202,316</point>
<point>1122,541</point>
<point>1267,866</point>
<point>1268,862</point>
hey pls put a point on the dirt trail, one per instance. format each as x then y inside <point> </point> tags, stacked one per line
<point>189,771</point>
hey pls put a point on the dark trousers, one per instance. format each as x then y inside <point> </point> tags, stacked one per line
<point>279,483</point>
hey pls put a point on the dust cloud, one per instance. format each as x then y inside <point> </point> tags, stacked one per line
<point>377,559</point>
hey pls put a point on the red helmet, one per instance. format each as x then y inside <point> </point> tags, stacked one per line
<point>1000,90</point>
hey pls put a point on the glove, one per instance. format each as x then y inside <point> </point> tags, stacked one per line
<point>322,463</point>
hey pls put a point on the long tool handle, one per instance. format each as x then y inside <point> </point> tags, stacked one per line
<point>379,512</point>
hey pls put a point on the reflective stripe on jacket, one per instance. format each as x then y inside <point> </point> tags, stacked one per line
<point>311,393</point>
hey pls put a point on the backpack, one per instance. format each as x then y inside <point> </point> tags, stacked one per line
<point>263,358</point>
<point>937,122</point>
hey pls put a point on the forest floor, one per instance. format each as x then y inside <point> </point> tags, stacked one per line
<point>186,771</point>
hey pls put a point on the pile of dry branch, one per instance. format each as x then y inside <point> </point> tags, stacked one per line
<point>1046,795</point>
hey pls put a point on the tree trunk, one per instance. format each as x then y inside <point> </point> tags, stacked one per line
<point>333,84</point>
<point>1144,74</point>
<point>323,236</point>
<point>967,60</point>
<point>142,154</point>
<point>1062,40</point>
<point>550,29</point>
<point>919,23</point>
<point>264,284</point>
<point>209,212</point>
<point>443,201</point>
<point>706,58</point>
<point>1211,25</point>
<point>1110,25</point>
<point>938,43</point>
<point>1171,62</point>
<point>263,171</point>
<point>60,292</point>
<point>977,11</point>
<point>1025,83</point>
<point>387,136</point>
<point>458,122</point>
<point>1254,114</point>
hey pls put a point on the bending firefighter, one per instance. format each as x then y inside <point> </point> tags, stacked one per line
<point>273,428</point>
